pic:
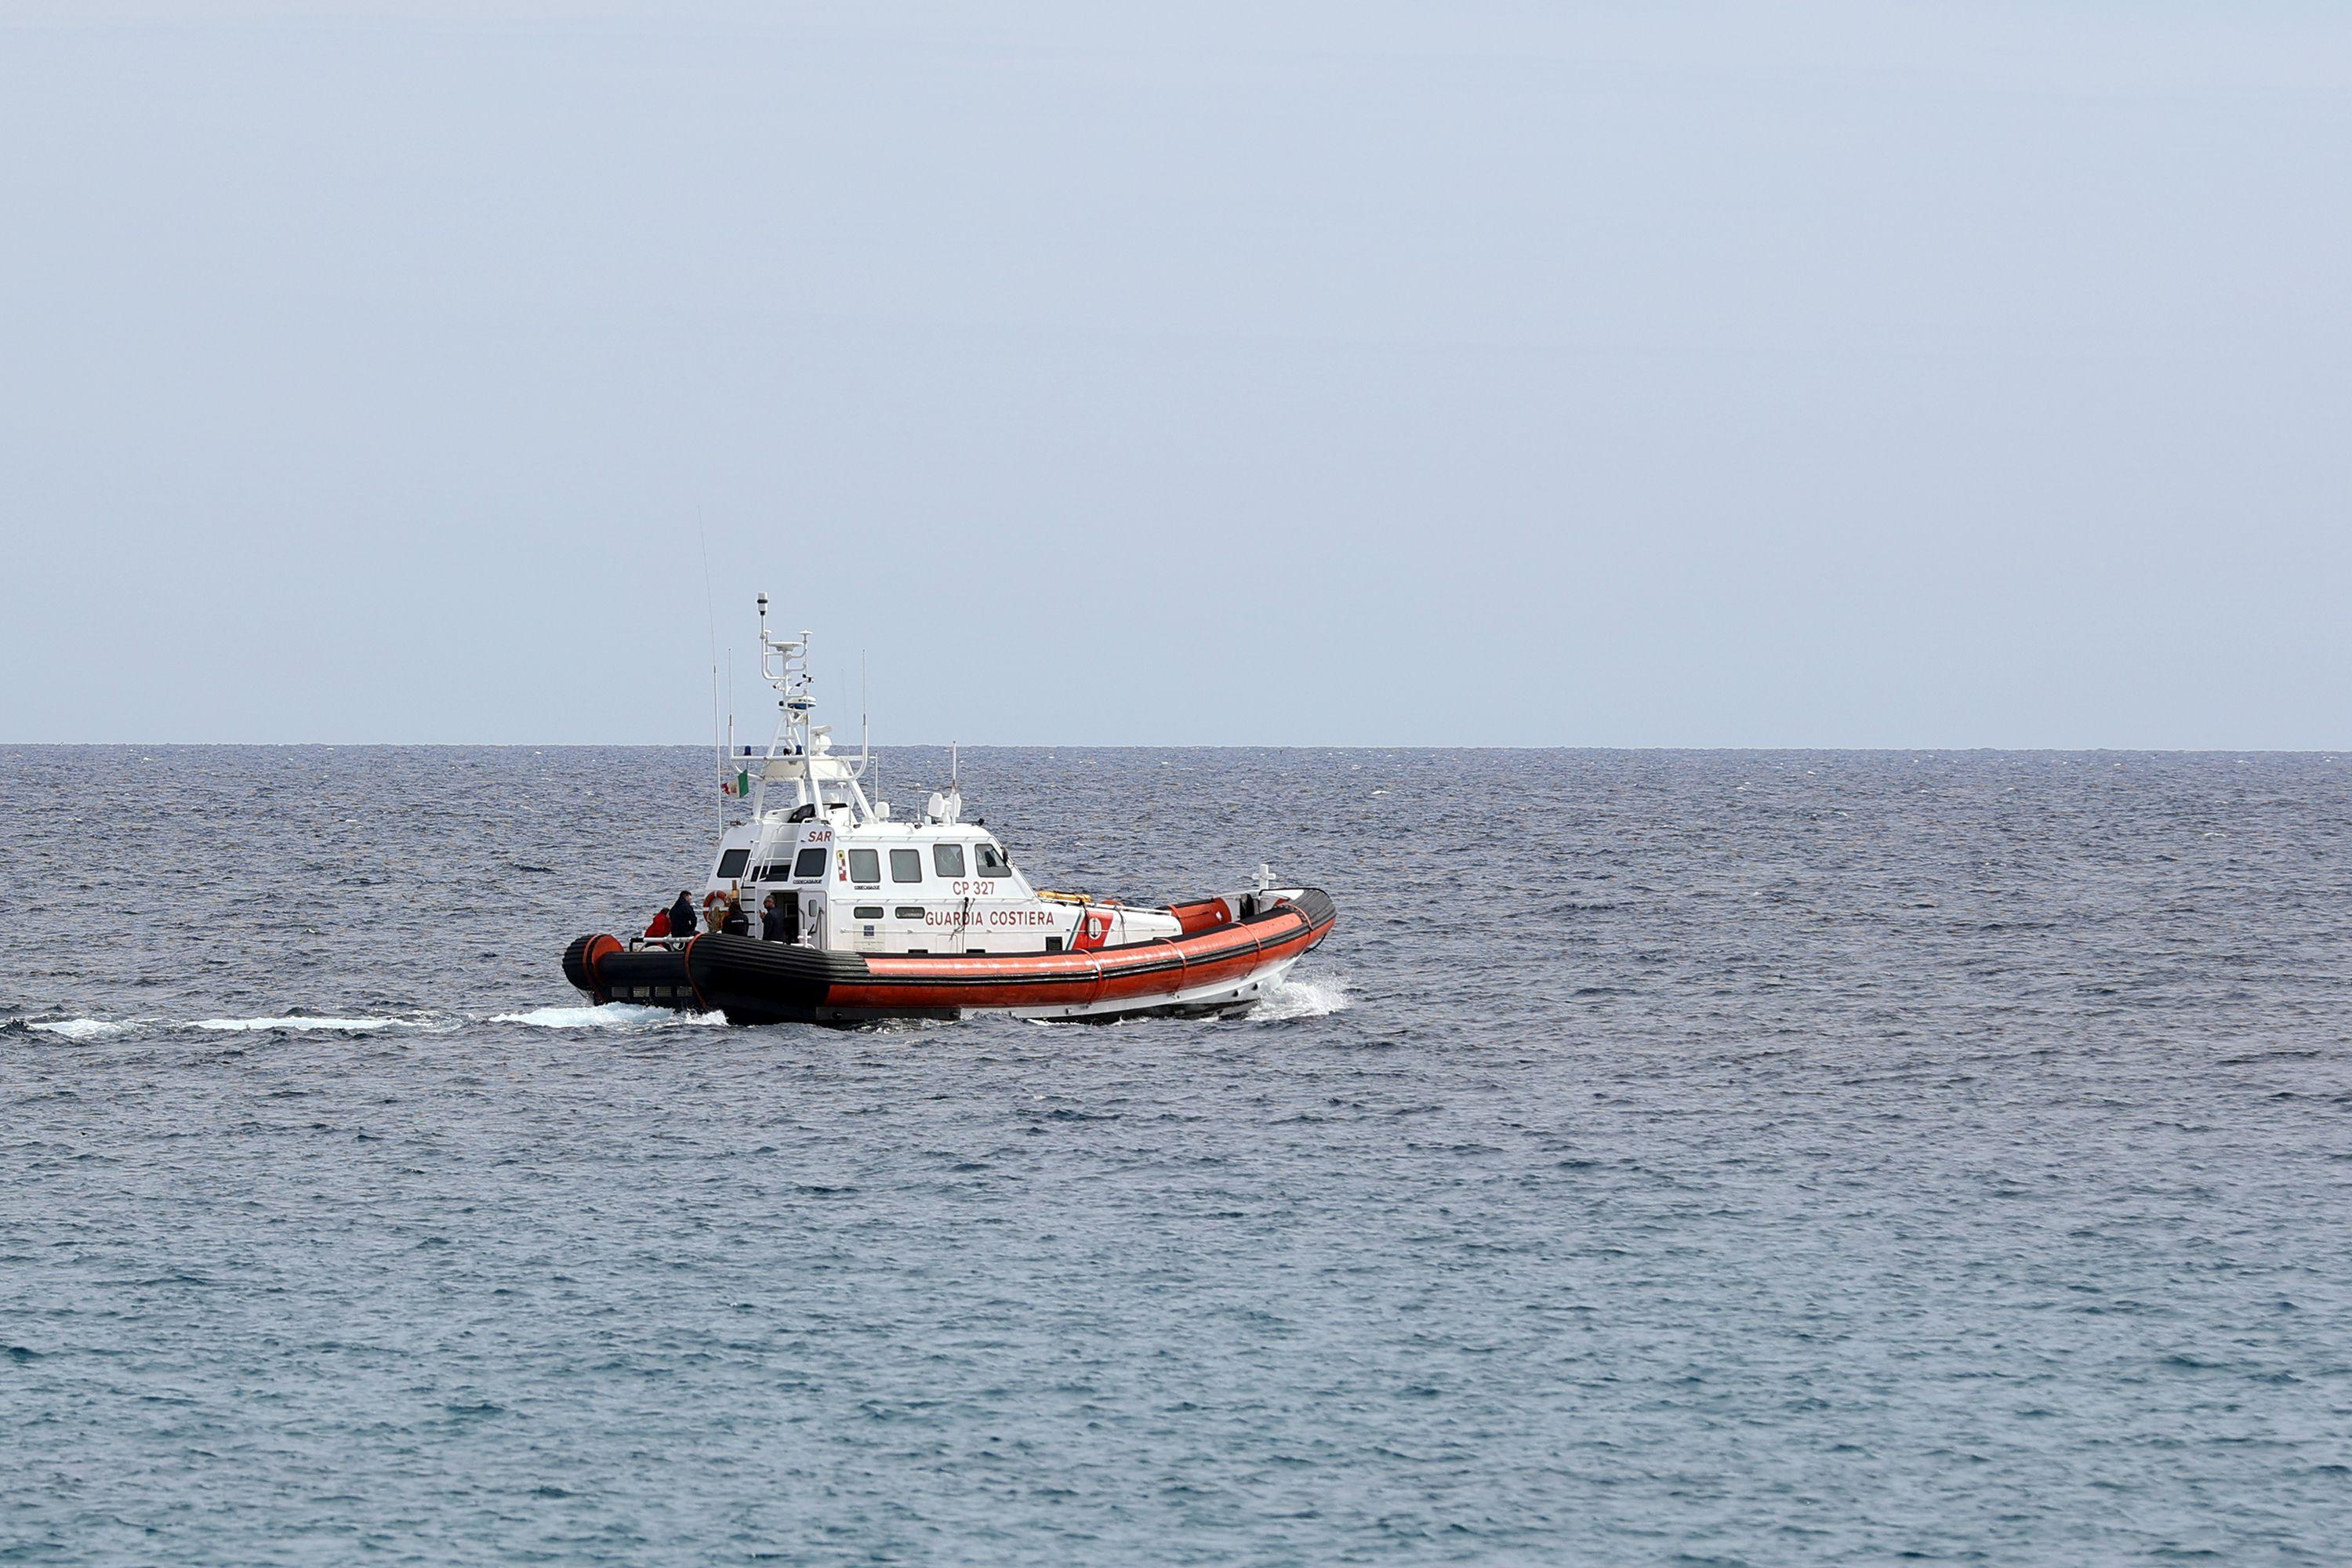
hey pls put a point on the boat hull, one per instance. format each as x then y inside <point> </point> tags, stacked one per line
<point>1207,971</point>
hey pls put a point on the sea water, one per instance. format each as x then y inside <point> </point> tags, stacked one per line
<point>1696,1158</point>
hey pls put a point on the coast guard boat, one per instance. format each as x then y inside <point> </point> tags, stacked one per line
<point>926,918</point>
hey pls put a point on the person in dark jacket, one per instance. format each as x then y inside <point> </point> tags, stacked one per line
<point>681,915</point>
<point>772,921</point>
<point>732,919</point>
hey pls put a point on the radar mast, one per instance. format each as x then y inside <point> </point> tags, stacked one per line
<point>801,754</point>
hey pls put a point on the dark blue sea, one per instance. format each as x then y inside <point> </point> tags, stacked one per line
<point>1699,1158</point>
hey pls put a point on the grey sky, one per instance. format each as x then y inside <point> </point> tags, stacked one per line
<point>1621,375</point>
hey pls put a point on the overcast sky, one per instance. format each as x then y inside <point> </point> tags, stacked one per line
<point>1908,375</point>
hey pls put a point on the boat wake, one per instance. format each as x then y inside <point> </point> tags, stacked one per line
<point>302,1023</point>
<point>80,1029</point>
<point>292,1023</point>
<point>1291,998</point>
<point>608,1015</point>
<point>1288,999</point>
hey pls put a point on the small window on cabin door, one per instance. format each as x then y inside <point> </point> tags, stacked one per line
<point>989,862</point>
<point>947,859</point>
<point>808,865</point>
<point>905,865</point>
<point>864,866</point>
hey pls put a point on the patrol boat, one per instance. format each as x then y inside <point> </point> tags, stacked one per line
<point>891,918</point>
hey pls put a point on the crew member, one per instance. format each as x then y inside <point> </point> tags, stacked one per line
<point>735,922</point>
<point>681,915</point>
<point>772,921</point>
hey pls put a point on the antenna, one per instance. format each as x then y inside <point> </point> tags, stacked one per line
<point>710,611</point>
<point>865,723</point>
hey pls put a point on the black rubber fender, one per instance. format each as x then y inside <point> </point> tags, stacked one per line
<point>579,963</point>
<point>755,981</point>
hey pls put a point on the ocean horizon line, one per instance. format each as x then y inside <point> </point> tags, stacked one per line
<point>1336,746</point>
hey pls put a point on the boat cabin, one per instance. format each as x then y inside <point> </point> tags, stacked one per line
<point>880,886</point>
<point>851,877</point>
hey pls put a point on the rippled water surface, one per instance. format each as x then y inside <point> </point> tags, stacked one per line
<point>1702,1158</point>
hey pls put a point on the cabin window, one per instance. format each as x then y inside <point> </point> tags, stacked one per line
<point>867,911</point>
<point>947,859</point>
<point>989,862</point>
<point>864,866</point>
<point>905,865</point>
<point>908,911</point>
<point>731,864</point>
<point>809,864</point>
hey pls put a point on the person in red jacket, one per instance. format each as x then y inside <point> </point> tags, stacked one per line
<point>660,926</point>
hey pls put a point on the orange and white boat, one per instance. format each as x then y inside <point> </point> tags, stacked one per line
<point>871,916</point>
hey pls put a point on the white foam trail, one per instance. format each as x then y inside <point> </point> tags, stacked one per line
<point>610,1015</point>
<point>1292,998</point>
<point>338,1026</point>
<point>81,1028</point>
